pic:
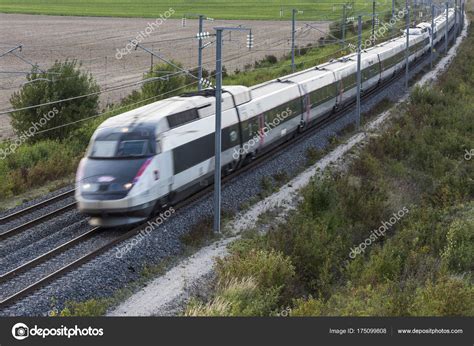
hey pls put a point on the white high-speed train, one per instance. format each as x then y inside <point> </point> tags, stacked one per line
<point>157,155</point>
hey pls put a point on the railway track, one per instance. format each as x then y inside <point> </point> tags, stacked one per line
<point>29,224</point>
<point>48,255</point>
<point>13,298</point>
<point>32,208</point>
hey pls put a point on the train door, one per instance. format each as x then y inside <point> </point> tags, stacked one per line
<point>381,68</point>
<point>340,93</point>
<point>305,107</point>
<point>306,114</point>
<point>261,130</point>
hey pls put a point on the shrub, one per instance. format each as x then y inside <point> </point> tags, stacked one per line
<point>352,301</point>
<point>316,248</point>
<point>313,155</point>
<point>310,307</point>
<point>446,297</point>
<point>36,164</point>
<point>62,81</point>
<point>268,60</point>
<point>163,88</point>
<point>319,197</point>
<point>458,254</point>
<point>268,268</point>
<point>237,297</point>
<point>89,308</point>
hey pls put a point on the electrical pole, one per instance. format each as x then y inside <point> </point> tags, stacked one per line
<point>250,40</point>
<point>293,32</point>
<point>393,15</point>
<point>201,20</point>
<point>407,50</point>
<point>218,132</point>
<point>151,59</point>
<point>359,77</point>
<point>456,16</point>
<point>432,35</point>
<point>218,129</point>
<point>343,24</point>
<point>415,12</point>
<point>447,30</point>
<point>373,23</point>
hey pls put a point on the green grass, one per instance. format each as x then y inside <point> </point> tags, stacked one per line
<point>222,9</point>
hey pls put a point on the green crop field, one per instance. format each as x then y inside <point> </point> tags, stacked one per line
<point>221,9</point>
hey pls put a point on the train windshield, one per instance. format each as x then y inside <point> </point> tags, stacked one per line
<point>122,145</point>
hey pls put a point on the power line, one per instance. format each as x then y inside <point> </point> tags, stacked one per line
<point>93,94</point>
<point>116,109</point>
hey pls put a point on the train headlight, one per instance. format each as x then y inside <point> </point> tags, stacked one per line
<point>127,186</point>
<point>86,186</point>
<point>80,172</point>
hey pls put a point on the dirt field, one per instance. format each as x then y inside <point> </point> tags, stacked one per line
<point>94,42</point>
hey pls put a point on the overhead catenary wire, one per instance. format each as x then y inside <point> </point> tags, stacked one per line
<point>116,109</point>
<point>100,58</point>
<point>74,98</point>
<point>97,74</point>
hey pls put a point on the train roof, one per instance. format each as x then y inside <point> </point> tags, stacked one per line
<point>204,102</point>
<point>273,86</point>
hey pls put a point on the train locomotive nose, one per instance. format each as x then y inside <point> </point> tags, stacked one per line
<point>104,192</point>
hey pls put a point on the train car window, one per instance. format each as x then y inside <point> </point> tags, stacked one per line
<point>349,81</point>
<point>103,149</point>
<point>370,72</point>
<point>230,137</point>
<point>193,153</point>
<point>181,118</point>
<point>202,149</point>
<point>132,148</point>
<point>250,128</point>
<point>121,145</point>
<point>294,106</point>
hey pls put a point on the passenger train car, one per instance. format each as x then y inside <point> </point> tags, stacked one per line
<point>154,156</point>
